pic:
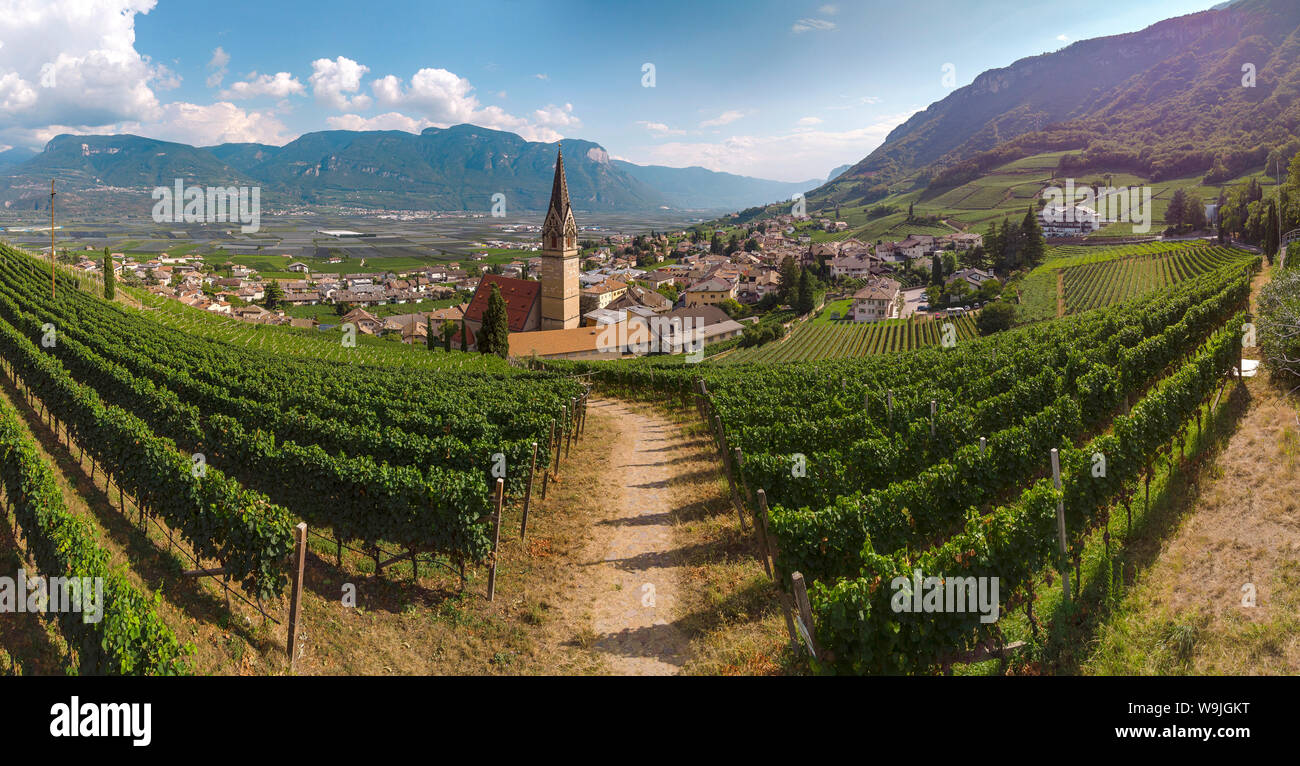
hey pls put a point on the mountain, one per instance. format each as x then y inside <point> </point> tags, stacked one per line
<point>698,188</point>
<point>15,156</point>
<point>1171,100</point>
<point>837,172</point>
<point>456,168</point>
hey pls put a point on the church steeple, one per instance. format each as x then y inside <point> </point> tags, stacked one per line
<point>559,257</point>
<point>559,231</point>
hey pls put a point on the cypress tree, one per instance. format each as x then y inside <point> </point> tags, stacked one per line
<point>428,333</point>
<point>110,278</point>
<point>494,335</point>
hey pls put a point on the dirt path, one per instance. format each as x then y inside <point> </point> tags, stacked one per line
<point>633,572</point>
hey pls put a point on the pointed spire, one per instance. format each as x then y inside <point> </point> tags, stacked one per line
<point>560,187</point>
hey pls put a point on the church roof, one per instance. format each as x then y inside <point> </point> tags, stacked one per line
<point>560,187</point>
<point>520,295</point>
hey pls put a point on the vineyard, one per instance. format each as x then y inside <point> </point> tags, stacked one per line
<point>939,461</point>
<point>1093,277</point>
<point>849,341</point>
<point>379,456</point>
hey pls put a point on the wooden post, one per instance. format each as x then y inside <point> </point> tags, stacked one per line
<point>496,541</point>
<point>932,406</point>
<point>295,598</point>
<point>983,445</point>
<point>891,406</point>
<point>573,419</point>
<point>725,454</point>
<point>805,612</point>
<point>1060,525</point>
<point>558,438</point>
<point>528,494</point>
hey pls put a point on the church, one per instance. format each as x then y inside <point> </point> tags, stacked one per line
<point>543,317</point>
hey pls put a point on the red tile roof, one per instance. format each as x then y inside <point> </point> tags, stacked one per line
<point>520,295</point>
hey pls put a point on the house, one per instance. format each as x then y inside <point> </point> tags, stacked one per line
<point>966,240</point>
<point>1069,220</point>
<point>974,277</point>
<point>637,295</point>
<point>710,292</point>
<point>601,294</point>
<point>299,267</point>
<point>363,320</point>
<point>876,301</point>
<point>852,266</point>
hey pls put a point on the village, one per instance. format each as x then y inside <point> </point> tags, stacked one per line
<point>716,285</point>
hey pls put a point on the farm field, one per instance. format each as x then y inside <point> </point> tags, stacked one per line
<point>812,341</point>
<point>143,398</point>
<point>872,468</point>
<point>1090,276</point>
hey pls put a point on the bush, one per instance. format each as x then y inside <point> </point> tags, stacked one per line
<point>1279,325</point>
<point>995,317</point>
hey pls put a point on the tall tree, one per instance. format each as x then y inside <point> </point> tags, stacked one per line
<point>936,271</point>
<point>448,332</point>
<point>788,279</point>
<point>430,340</point>
<point>110,277</point>
<point>494,335</point>
<point>1035,246</point>
<point>274,295</point>
<point>805,302</point>
<point>1272,242</point>
<point>1176,213</point>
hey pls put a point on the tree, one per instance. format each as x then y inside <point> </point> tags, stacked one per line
<point>715,245</point>
<point>995,317</point>
<point>448,332</point>
<point>1035,246</point>
<point>1194,212</point>
<point>341,308</point>
<point>494,335</point>
<point>788,279</point>
<point>429,338</point>
<point>274,296</point>
<point>464,335</point>
<point>110,278</point>
<point>909,211</point>
<point>1271,239</point>
<point>936,271</point>
<point>751,245</point>
<point>805,300</point>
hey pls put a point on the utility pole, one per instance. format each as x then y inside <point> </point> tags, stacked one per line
<point>52,238</point>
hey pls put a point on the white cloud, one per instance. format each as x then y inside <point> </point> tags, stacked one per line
<point>208,124</point>
<point>811,25</point>
<point>542,76</point>
<point>726,117</point>
<point>332,79</point>
<point>795,156</point>
<point>829,10</point>
<point>279,85</point>
<point>444,98</point>
<point>73,62</point>
<point>217,65</point>
<point>1063,38</point>
<point>165,79</point>
<point>659,128</point>
<point>808,121</point>
<point>387,121</point>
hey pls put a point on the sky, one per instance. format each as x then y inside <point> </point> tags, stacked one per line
<point>767,88</point>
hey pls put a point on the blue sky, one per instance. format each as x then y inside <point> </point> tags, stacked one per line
<point>773,89</point>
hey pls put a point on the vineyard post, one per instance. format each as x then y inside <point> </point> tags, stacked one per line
<point>932,406</point>
<point>760,523</point>
<point>725,454</point>
<point>568,442</point>
<point>891,407</point>
<point>983,445</point>
<point>528,494</point>
<point>496,541</point>
<point>805,612</point>
<point>558,438</point>
<point>1060,525</point>
<point>295,598</point>
<point>786,610</point>
<point>546,471</point>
